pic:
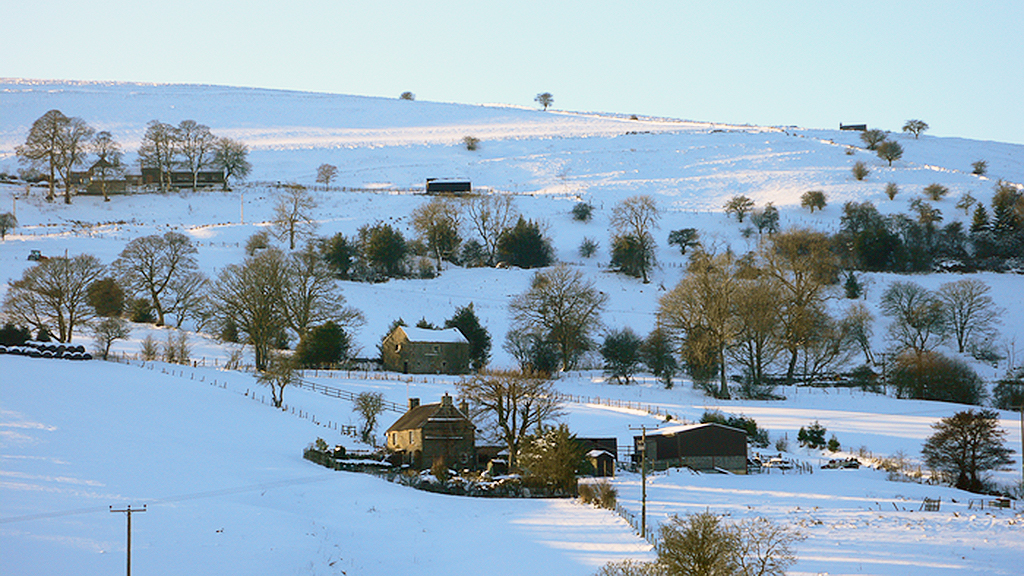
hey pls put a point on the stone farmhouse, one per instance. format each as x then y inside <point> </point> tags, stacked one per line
<point>430,433</point>
<point>422,351</point>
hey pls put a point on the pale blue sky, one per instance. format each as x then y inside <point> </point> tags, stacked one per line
<point>958,66</point>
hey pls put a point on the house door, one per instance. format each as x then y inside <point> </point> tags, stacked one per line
<point>405,367</point>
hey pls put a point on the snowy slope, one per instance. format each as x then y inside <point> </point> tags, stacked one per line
<point>210,458</point>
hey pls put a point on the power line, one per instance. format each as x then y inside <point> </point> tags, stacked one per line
<point>169,499</point>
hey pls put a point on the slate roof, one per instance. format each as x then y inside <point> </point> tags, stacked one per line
<point>418,416</point>
<point>415,418</point>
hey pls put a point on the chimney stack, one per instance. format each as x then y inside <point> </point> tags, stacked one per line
<point>414,403</point>
<point>446,400</point>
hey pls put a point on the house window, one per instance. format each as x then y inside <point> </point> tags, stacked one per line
<point>410,436</point>
<point>436,348</point>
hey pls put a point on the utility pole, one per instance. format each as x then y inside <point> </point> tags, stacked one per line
<point>129,511</point>
<point>643,477</point>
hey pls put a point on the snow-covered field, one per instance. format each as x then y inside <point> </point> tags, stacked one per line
<point>222,474</point>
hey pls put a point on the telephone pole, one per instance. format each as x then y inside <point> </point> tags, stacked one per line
<point>643,477</point>
<point>129,511</point>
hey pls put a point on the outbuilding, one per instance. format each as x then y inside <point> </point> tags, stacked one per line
<point>707,447</point>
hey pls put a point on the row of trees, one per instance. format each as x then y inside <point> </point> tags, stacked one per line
<point>380,251</point>
<point>914,241</point>
<point>57,144</point>
<point>867,240</point>
<point>265,300</point>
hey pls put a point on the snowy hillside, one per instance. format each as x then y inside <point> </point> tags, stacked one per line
<point>223,474</point>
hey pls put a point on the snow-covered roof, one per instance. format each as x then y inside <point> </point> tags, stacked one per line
<point>427,335</point>
<point>668,431</point>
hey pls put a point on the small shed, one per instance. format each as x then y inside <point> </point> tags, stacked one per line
<point>432,432</point>
<point>706,447</point>
<point>602,453</point>
<point>856,127</point>
<point>423,351</point>
<point>448,186</point>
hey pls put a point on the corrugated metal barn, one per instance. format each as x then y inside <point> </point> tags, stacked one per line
<point>698,446</point>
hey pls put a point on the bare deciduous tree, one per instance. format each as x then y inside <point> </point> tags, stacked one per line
<point>160,150</point>
<point>108,331</point>
<point>293,214</point>
<point>509,404</point>
<point>7,223</point>
<point>965,446</point>
<point>545,99</point>
<point>803,265</point>
<point>157,267</point>
<point>765,548</point>
<point>971,312</point>
<point>74,147</point>
<point>54,294</point>
<point>250,295</point>
<point>918,316</point>
<point>560,307</point>
<point>915,127</point>
<point>490,215</point>
<point>872,138</point>
<point>369,406</point>
<point>325,174</point>
<point>231,157</point>
<point>108,164</point>
<point>438,222</point>
<point>700,310</point>
<point>758,331</point>
<point>41,149</point>
<point>740,206</point>
<point>196,144</point>
<point>311,294</point>
<point>637,217</point>
<point>59,144</point>
<point>278,375</point>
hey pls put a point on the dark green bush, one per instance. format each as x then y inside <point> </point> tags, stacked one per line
<point>756,436</point>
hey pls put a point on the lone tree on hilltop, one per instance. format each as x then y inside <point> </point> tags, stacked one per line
<point>965,446</point>
<point>915,127</point>
<point>325,173</point>
<point>545,99</point>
